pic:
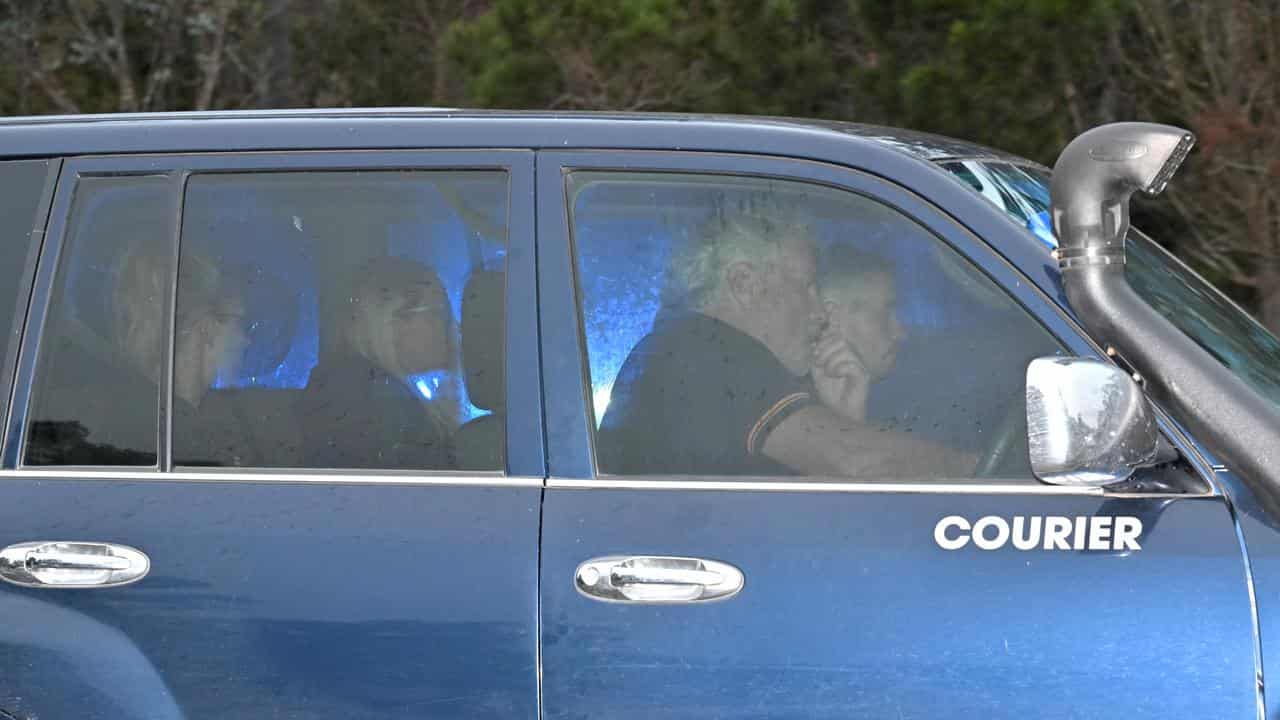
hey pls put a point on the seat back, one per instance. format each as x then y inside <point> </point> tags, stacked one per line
<point>479,443</point>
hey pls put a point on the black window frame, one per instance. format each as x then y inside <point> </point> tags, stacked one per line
<point>524,446</point>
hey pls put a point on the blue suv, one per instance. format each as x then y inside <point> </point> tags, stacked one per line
<point>427,413</point>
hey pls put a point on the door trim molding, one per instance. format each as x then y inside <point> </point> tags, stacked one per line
<point>940,487</point>
<point>274,476</point>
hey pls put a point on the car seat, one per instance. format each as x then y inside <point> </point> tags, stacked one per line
<point>479,443</point>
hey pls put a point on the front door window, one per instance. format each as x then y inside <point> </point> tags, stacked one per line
<point>763,327</point>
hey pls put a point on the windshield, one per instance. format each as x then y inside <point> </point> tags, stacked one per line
<point>1189,302</point>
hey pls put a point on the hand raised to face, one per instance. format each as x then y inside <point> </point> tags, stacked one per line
<point>840,377</point>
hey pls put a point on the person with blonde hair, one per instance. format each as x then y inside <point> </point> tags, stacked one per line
<point>209,322</point>
<point>360,409</point>
<point>79,423</point>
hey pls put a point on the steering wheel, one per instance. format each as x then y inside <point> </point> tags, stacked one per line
<point>1006,439</point>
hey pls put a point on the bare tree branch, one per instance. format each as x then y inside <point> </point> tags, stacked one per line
<point>1227,194</point>
<point>211,61</point>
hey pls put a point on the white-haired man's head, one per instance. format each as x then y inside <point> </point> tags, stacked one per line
<point>757,275</point>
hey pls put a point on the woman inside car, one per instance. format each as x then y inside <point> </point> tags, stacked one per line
<point>360,408</point>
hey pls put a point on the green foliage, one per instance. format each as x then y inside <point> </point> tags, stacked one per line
<point>752,56</point>
<point>366,53</point>
<point>1026,75</point>
<point>1017,73</point>
<point>1022,75</point>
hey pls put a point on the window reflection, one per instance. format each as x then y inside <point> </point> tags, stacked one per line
<point>941,350</point>
<point>353,287</point>
<point>323,320</point>
<point>97,394</point>
<point>1196,308</point>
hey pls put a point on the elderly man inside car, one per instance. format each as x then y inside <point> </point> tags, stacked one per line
<point>743,374</point>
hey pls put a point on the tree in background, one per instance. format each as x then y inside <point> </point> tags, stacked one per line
<point>363,53</point>
<point>1215,68</point>
<point>749,56</point>
<point>1024,75</point>
<point>75,56</point>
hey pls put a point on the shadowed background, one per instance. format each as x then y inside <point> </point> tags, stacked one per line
<point>1022,75</point>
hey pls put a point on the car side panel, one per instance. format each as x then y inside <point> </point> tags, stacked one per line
<point>278,600</point>
<point>1260,536</point>
<point>850,609</point>
<point>286,594</point>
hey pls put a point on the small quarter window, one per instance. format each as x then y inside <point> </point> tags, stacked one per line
<point>96,399</point>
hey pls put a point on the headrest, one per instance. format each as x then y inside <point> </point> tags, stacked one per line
<point>273,305</point>
<point>483,344</point>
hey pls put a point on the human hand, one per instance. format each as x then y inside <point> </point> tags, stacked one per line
<point>840,377</point>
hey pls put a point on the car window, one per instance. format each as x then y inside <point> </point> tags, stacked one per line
<point>716,307</point>
<point>21,183</point>
<point>322,320</point>
<point>1021,191</point>
<point>1193,305</point>
<point>96,399</point>
<point>341,320</point>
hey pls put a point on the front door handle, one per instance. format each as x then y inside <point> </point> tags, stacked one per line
<point>657,580</point>
<point>72,564</point>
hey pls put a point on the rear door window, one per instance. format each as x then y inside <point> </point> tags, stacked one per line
<point>344,319</point>
<point>341,320</point>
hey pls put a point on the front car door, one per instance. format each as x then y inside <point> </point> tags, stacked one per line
<point>281,379</point>
<point>902,593</point>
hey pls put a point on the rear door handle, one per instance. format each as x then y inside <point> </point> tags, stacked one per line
<point>72,564</point>
<point>657,579</point>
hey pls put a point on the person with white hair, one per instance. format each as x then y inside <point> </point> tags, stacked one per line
<point>743,374</point>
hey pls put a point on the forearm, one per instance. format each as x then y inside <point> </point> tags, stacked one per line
<point>817,441</point>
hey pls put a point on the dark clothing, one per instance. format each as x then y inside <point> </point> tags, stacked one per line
<point>354,415</point>
<point>96,412</point>
<point>697,397</point>
<point>212,435</point>
<point>90,412</point>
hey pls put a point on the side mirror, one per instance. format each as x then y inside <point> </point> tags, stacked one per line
<point>1088,422</point>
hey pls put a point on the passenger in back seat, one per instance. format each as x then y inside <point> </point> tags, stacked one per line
<point>210,339</point>
<point>359,409</point>
<point>105,419</point>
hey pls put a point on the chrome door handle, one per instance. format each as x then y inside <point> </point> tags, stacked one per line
<point>72,564</point>
<point>648,579</point>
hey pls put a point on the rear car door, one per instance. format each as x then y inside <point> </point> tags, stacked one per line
<point>672,590</point>
<point>265,455</point>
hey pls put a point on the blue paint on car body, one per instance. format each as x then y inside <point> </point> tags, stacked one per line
<point>376,600</point>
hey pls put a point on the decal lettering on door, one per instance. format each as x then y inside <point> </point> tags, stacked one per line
<point>1053,532</point>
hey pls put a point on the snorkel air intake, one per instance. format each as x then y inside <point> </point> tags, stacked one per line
<point>1092,183</point>
<point>1094,178</point>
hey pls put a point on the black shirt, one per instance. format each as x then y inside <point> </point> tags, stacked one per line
<point>354,415</point>
<point>98,412</point>
<point>93,412</point>
<point>696,396</point>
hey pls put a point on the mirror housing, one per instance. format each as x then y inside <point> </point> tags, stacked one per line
<point>1088,422</point>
